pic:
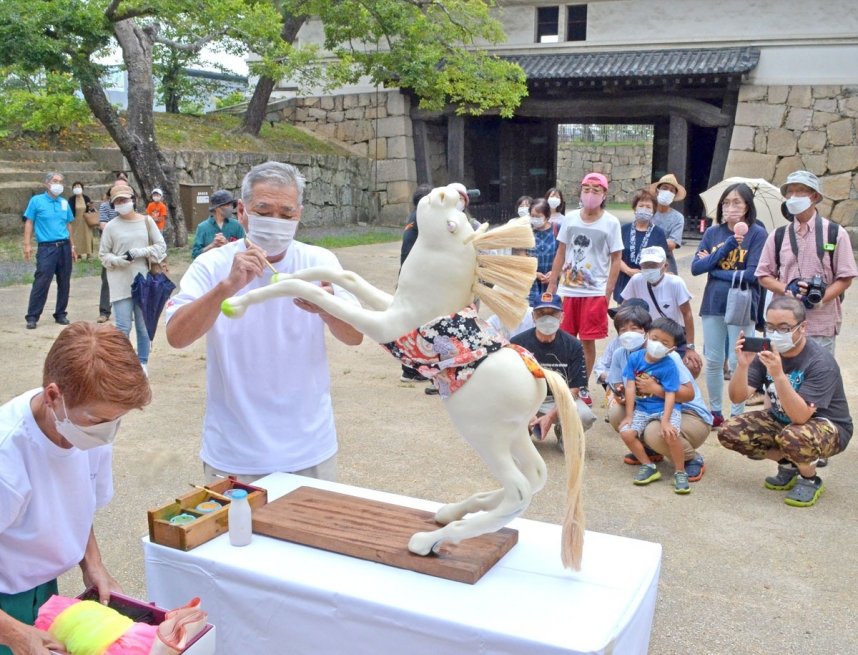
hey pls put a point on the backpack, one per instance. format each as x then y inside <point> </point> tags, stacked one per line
<point>830,244</point>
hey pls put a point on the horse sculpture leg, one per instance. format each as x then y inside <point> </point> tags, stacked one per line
<point>368,295</point>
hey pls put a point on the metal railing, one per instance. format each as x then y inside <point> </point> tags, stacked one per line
<point>605,133</point>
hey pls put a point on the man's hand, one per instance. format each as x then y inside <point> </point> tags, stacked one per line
<point>773,363</point>
<point>693,361</point>
<point>245,267</point>
<point>648,385</point>
<point>95,575</point>
<point>30,641</point>
<point>744,358</point>
<point>219,240</point>
<point>28,252</point>
<point>313,308</point>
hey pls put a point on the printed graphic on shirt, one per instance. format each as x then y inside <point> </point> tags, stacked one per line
<point>577,269</point>
<point>733,259</point>
<point>795,380</point>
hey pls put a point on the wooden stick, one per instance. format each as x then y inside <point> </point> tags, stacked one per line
<point>209,491</point>
<point>270,265</point>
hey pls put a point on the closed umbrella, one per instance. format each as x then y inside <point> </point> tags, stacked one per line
<point>150,293</point>
<point>767,200</point>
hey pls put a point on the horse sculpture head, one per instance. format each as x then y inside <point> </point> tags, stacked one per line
<point>440,222</point>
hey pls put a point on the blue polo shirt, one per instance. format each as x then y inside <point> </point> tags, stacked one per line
<point>50,217</point>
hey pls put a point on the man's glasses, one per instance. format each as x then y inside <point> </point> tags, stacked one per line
<point>781,329</point>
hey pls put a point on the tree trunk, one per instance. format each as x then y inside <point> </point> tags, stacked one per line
<point>251,123</point>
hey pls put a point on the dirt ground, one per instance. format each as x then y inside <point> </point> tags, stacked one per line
<point>742,572</point>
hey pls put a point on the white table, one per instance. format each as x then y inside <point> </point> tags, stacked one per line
<point>277,597</point>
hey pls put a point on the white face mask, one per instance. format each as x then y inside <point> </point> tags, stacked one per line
<point>782,343</point>
<point>523,211</point>
<point>665,197</point>
<point>77,191</point>
<point>651,275</point>
<point>656,349</point>
<point>536,222</point>
<point>156,198</point>
<point>124,209</point>
<point>547,324</point>
<point>644,214</point>
<point>56,189</point>
<point>798,204</point>
<point>273,235</point>
<point>85,438</point>
<point>631,340</point>
<point>554,202</point>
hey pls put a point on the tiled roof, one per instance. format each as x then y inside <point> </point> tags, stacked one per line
<point>638,63</point>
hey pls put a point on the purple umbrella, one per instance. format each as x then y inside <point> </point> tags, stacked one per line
<point>150,293</point>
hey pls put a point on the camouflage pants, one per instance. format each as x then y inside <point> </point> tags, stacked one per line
<point>753,434</point>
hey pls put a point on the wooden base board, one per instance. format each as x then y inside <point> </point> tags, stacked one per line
<point>376,531</point>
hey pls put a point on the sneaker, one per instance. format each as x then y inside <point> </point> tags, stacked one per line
<point>695,468</point>
<point>805,492</point>
<point>717,420</point>
<point>632,460</point>
<point>62,320</point>
<point>822,462</point>
<point>727,373</point>
<point>756,399</point>
<point>584,395</point>
<point>680,483</point>
<point>646,473</point>
<point>785,479</point>
<point>103,318</point>
<point>145,369</point>
<point>431,390</point>
<point>31,324</point>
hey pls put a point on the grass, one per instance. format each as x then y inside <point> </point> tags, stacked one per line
<point>182,131</point>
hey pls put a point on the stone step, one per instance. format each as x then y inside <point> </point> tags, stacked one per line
<point>14,196</point>
<point>42,155</point>
<point>60,166</point>
<point>85,176</point>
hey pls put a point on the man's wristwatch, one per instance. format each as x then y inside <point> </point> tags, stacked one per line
<point>689,346</point>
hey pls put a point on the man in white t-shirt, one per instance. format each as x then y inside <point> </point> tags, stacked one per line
<point>666,296</point>
<point>56,472</point>
<point>268,401</point>
<point>589,250</point>
<point>666,191</point>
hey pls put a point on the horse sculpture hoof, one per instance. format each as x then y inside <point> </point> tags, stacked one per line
<point>447,514</point>
<point>232,309</point>
<point>423,543</point>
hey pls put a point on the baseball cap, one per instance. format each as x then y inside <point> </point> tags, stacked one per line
<point>220,198</point>
<point>653,254</point>
<point>806,178</point>
<point>158,191</point>
<point>121,191</point>
<point>628,302</point>
<point>595,178</point>
<point>551,300</point>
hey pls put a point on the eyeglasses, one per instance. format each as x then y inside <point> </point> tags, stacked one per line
<point>733,203</point>
<point>781,329</point>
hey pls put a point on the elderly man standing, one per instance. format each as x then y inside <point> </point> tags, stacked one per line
<point>49,216</point>
<point>221,227</point>
<point>808,419</point>
<point>268,404</point>
<point>810,248</point>
<point>666,191</point>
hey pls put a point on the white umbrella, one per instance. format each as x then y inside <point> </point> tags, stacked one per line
<point>767,200</point>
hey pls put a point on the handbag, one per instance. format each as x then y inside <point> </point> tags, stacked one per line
<point>155,266</point>
<point>739,302</point>
<point>91,218</point>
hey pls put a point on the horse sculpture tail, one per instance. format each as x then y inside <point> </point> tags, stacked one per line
<point>573,440</point>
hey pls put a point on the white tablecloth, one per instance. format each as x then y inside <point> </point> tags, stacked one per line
<point>275,597</point>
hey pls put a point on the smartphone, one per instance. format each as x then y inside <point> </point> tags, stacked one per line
<point>618,390</point>
<point>756,345</point>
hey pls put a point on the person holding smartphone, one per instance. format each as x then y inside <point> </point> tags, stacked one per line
<point>809,417</point>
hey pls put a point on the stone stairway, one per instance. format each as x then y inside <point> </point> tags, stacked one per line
<point>22,173</point>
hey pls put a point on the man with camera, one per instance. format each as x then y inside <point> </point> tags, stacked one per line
<point>810,259</point>
<point>808,418</point>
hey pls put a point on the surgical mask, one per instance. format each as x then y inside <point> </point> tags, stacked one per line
<point>782,343</point>
<point>156,198</point>
<point>77,191</point>
<point>644,214</point>
<point>85,438</point>
<point>523,211</point>
<point>665,197</point>
<point>631,340</point>
<point>56,189</point>
<point>797,205</point>
<point>547,324</point>
<point>651,275</point>
<point>554,202</point>
<point>536,222</point>
<point>273,235</point>
<point>656,349</point>
<point>124,209</point>
<point>227,212</point>
<point>590,200</point>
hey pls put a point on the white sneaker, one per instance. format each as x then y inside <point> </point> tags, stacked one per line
<point>145,369</point>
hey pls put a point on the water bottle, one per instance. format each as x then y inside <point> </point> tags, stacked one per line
<point>240,520</point>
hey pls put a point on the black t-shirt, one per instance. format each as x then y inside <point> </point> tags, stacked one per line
<point>815,376</point>
<point>564,355</point>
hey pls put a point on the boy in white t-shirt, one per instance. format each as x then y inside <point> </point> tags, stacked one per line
<point>55,472</point>
<point>589,250</point>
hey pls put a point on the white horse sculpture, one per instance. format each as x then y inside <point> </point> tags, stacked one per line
<point>503,389</point>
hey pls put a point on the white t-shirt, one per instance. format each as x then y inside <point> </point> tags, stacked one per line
<point>588,254</point>
<point>268,401</point>
<point>670,292</point>
<point>48,499</point>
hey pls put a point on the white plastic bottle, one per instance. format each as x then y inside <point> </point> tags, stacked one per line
<point>240,520</point>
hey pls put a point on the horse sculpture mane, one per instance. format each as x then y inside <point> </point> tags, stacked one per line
<point>490,390</point>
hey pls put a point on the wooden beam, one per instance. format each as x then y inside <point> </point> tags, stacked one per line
<point>455,148</point>
<point>421,153</point>
<point>677,151</point>
<point>723,138</point>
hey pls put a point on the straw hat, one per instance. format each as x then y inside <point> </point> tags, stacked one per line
<point>670,178</point>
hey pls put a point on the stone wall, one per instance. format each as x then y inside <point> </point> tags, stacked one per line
<point>628,168</point>
<point>376,126</point>
<point>339,190</point>
<point>781,129</point>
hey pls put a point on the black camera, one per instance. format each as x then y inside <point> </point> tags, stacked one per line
<point>815,289</point>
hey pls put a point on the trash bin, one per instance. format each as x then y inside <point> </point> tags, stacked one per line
<point>195,203</point>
